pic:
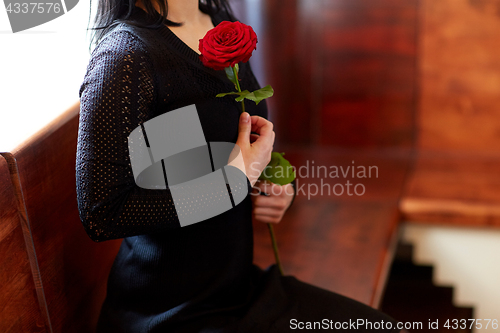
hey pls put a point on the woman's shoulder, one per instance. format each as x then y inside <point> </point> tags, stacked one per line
<point>124,45</point>
<point>122,37</point>
<point>121,50</point>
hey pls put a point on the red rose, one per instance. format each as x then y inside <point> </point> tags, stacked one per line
<point>227,44</point>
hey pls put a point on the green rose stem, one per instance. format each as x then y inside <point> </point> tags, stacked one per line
<point>270,226</point>
<point>275,248</point>
<point>238,87</point>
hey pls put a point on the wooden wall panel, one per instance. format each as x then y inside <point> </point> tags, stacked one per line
<point>455,179</point>
<point>73,268</point>
<point>368,73</point>
<point>460,76</point>
<point>344,71</point>
<point>289,41</point>
<point>19,307</point>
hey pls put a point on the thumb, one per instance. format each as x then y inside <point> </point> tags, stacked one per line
<point>244,129</point>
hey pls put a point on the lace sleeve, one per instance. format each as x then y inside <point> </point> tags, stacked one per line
<point>116,96</point>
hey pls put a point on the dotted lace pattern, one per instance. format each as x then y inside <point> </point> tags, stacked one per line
<point>115,97</point>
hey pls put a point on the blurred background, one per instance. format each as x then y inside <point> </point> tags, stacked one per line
<point>382,73</point>
<point>409,89</point>
<point>413,87</point>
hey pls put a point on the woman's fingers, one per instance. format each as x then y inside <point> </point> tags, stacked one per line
<point>275,200</point>
<point>272,189</point>
<point>244,130</point>
<point>270,208</point>
<point>266,219</point>
<point>253,137</point>
<point>255,148</point>
<point>259,124</point>
<point>268,211</point>
<point>270,202</point>
<point>264,128</point>
<point>268,187</point>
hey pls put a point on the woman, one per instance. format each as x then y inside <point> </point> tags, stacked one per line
<point>167,278</point>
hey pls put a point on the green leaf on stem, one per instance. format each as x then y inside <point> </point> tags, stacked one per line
<point>279,170</point>
<point>257,95</point>
<point>231,93</point>
<point>230,73</point>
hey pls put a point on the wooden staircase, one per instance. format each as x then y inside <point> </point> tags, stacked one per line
<point>411,296</point>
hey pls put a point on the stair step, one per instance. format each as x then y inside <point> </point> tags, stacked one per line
<point>411,296</point>
<point>409,271</point>
<point>404,252</point>
<point>420,294</point>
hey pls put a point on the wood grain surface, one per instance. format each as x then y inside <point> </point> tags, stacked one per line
<point>344,71</point>
<point>459,65</point>
<point>341,243</point>
<point>455,179</point>
<point>73,269</point>
<point>19,307</point>
<point>453,188</point>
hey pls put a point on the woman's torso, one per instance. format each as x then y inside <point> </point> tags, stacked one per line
<point>207,266</point>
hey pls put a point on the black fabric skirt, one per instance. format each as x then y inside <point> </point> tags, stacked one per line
<point>275,304</point>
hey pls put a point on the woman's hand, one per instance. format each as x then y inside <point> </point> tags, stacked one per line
<point>254,155</point>
<point>270,208</point>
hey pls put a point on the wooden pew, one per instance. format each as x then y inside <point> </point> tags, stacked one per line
<point>19,307</point>
<point>340,243</point>
<point>73,269</point>
<point>453,189</point>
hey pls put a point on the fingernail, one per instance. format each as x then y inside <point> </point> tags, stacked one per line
<point>245,117</point>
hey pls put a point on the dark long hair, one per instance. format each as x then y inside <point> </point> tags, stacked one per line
<point>112,12</point>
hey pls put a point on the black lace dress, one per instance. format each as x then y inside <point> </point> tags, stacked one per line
<point>167,278</point>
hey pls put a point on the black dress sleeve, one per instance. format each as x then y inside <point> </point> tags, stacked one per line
<point>116,96</point>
